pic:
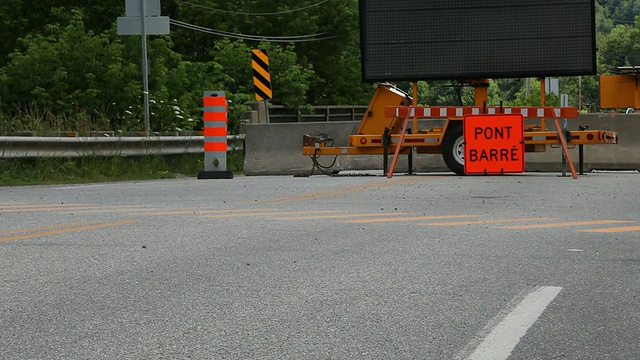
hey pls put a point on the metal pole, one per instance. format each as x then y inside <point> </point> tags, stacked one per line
<point>266,110</point>
<point>543,101</point>
<point>564,154</point>
<point>145,70</point>
<point>580,93</point>
<point>415,104</point>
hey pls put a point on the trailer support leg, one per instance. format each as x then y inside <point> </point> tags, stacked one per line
<point>581,158</point>
<point>386,140</point>
<point>399,145</point>
<point>410,156</point>
<point>563,141</point>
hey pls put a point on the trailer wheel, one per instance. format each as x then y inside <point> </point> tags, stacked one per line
<point>453,148</point>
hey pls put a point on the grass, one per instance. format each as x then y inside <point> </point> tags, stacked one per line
<point>37,121</point>
<point>100,169</point>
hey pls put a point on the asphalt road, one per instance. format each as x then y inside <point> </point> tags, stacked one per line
<point>434,266</point>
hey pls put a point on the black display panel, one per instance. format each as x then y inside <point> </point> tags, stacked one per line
<point>470,39</point>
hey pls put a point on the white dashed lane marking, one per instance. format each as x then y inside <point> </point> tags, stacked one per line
<point>503,337</point>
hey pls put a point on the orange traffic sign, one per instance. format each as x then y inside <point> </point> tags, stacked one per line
<point>493,143</point>
<point>261,74</point>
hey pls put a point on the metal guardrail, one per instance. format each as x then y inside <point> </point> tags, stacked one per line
<point>281,114</point>
<point>12,147</point>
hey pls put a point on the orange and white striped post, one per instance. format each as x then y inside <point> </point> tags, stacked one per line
<point>215,136</point>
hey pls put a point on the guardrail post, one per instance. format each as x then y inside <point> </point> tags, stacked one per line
<point>215,136</point>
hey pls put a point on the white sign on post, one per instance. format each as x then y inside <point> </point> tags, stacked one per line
<point>143,18</point>
<point>564,100</point>
<point>152,8</point>
<point>154,25</point>
<point>551,86</point>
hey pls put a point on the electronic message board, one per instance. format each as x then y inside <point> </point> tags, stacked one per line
<point>409,40</point>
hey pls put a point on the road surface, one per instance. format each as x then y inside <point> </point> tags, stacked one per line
<point>433,266</point>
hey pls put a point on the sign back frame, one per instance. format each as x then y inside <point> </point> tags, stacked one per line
<point>409,40</point>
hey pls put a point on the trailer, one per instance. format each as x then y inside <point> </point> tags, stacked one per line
<point>469,42</point>
<point>385,128</point>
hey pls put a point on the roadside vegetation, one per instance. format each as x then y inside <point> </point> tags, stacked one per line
<point>64,68</point>
<point>99,169</point>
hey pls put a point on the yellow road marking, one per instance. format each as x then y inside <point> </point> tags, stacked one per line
<point>186,208</point>
<point>75,209</point>
<point>42,228</point>
<point>63,231</point>
<point>27,206</point>
<point>275,213</point>
<point>201,212</point>
<point>408,218</point>
<point>43,210</point>
<point>344,190</point>
<point>116,206</point>
<point>479,222</point>
<point>565,224</point>
<point>614,229</point>
<point>65,208</point>
<point>169,213</point>
<point>105,210</point>
<point>339,216</point>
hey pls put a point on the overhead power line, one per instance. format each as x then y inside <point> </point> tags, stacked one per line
<point>254,14</point>
<point>623,22</point>
<point>621,7</point>
<point>282,39</point>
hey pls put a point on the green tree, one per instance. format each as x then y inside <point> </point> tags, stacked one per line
<point>620,11</point>
<point>69,70</point>
<point>617,48</point>
<point>583,91</point>
<point>446,93</point>
<point>19,18</point>
<point>290,80</point>
<point>334,59</point>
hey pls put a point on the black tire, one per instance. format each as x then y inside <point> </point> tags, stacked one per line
<point>453,148</point>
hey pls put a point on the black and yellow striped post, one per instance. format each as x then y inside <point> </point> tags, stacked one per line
<point>261,77</point>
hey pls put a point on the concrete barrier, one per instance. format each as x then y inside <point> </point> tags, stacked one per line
<point>276,149</point>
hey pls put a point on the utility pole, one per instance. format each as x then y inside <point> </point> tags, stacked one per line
<point>143,18</point>
<point>145,68</point>
<point>580,93</point>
